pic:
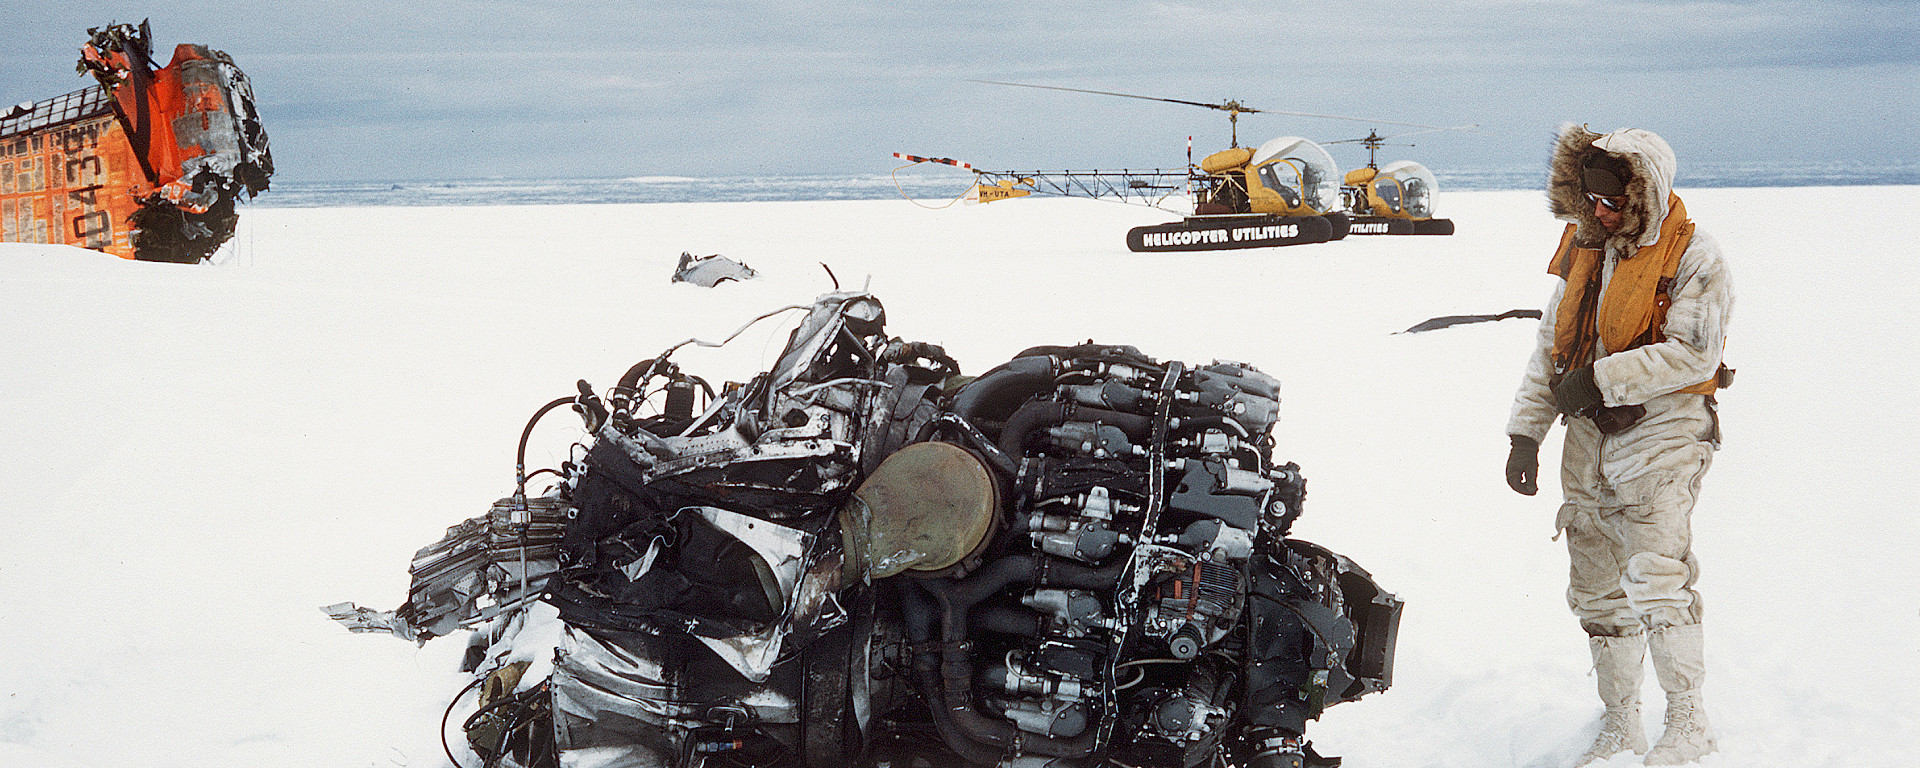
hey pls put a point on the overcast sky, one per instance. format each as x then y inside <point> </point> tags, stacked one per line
<point>361,90</point>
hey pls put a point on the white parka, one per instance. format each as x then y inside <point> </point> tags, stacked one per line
<point>1650,375</point>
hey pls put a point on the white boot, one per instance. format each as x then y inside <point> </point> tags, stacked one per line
<point>1679,661</point>
<point>1617,663</point>
<point>1688,737</point>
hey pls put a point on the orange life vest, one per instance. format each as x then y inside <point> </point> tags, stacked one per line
<point>1634,309</point>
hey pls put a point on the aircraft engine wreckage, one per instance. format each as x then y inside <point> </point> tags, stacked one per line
<point>147,164</point>
<point>858,558</point>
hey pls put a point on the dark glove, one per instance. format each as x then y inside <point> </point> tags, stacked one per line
<point>1523,465</point>
<point>1576,394</point>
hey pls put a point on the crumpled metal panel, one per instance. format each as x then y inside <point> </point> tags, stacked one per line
<point>480,557</point>
<point>611,706</point>
<point>221,137</point>
<point>824,323</point>
<point>822,444</point>
<point>612,756</point>
<point>709,271</point>
<point>783,551</point>
<point>360,619</point>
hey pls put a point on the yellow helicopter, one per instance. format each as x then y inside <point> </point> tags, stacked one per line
<point>1287,191</point>
<point>1394,199</point>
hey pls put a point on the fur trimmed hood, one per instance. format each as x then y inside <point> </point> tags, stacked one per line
<point>1652,163</point>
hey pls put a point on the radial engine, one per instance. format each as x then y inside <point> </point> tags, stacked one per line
<point>860,557</point>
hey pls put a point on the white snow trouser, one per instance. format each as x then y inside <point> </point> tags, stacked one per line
<point>1631,541</point>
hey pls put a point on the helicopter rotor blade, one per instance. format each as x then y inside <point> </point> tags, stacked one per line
<point>1376,138</point>
<point>1364,120</point>
<point>1229,107</point>
<point>1112,93</point>
<point>1432,130</point>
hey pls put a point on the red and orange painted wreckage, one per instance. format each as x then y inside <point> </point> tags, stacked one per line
<point>146,164</point>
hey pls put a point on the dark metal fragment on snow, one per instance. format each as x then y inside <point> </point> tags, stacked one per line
<point>1452,320</point>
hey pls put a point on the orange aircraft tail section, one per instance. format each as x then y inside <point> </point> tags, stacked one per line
<point>146,165</point>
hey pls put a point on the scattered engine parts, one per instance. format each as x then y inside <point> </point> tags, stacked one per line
<point>1079,558</point>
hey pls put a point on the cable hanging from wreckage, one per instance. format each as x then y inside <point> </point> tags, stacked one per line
<point>859,557</point>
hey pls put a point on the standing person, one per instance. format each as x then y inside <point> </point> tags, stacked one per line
<point>1629,354</point>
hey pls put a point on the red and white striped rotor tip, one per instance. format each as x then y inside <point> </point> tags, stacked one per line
<point>946,160</point>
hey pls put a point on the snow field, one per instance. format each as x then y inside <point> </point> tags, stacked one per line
<point>199,457</point>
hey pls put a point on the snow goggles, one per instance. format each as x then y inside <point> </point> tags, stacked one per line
<point>1612,203</point>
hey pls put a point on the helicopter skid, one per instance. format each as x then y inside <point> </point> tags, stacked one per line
<point>1213,233</point>
<point>1388,225</point>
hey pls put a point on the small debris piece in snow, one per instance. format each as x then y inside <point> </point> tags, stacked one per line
<point>709,271</point>
<point>361,619</point>
<point>1450,320</point>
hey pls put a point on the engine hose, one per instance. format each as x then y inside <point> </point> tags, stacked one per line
<point>956,600</point>
<point>1084,355</point>
<point>1023,569</point>
<point>1039,413</point>
<point>918,612</point>
<point>919,605</point>
<point>499,703</point>
<point>1001,390</point>
<point>448,748</point>
<point>629,384</point>
<point>1011,621</point>
<point>520,454</point>
<point>1203,422</point>
<point>545,471</point>
<point>956,673</point>
<point>968,749</point>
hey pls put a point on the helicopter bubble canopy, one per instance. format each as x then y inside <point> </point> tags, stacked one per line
<point>1294,166</point>
<point>1409,185</point>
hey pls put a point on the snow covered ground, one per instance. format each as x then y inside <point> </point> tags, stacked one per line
<point>197,458</point>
